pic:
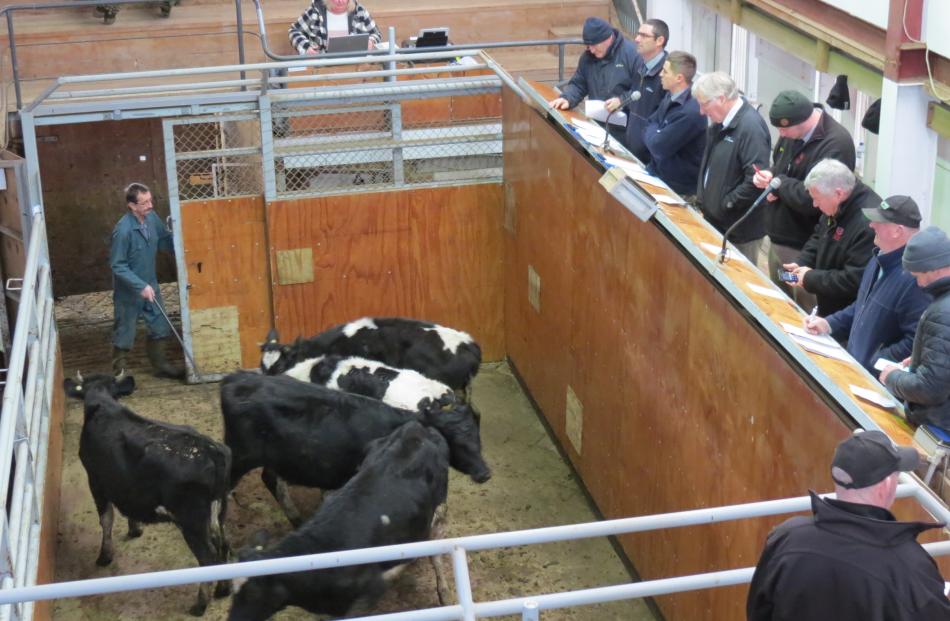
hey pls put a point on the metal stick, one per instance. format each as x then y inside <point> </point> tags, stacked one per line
<point>191,358</point>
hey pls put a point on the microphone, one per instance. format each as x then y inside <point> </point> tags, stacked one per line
<point>629,99</point>
<point>773,185</point>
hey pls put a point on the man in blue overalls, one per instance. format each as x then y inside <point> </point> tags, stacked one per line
<point>136,239</point>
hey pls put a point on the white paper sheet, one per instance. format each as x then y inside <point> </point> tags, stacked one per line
<point>816,348</point>
<point>874,397</point>
<point>594,109</point>
<point>766,291</point>
<point>821,339</point>
<point>731,255</point>
<point>593,133</point>
<point>884,362</point>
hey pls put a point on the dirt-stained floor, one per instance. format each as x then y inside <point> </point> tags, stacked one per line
<point>531,487</point>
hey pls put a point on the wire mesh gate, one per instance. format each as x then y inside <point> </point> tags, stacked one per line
<point>334,140</point>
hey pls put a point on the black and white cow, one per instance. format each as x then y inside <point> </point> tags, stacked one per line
<point>438,352</point>
<point>391,500</point>
<point>307,434</point>
<point>401,388</point>
<point>152,472</point>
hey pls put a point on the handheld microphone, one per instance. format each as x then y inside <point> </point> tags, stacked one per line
<point>629,99</point>
<point>773,185</point>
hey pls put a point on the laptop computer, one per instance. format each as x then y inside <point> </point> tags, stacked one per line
<point>349,43</point>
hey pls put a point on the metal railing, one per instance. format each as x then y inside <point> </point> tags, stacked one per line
<point>467,609</point>
<point>25,421</point>
<point>10,9</point>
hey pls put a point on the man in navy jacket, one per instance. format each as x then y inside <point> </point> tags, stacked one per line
<point>675,134</point>
<point>883,319</point>
<point>605,71</point>
<point>651,40</point>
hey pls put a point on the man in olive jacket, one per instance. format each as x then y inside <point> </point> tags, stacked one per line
<point>737,143</point>
<point>851,560</point>
<point>923,381</point>
<point>831,264</point>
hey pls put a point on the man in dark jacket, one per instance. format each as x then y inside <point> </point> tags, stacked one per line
<point>883,319</point>
<point>737,143</point>
<point>807,135</point>
<point>651,40</point>
<point>676,133</point>
<point>832,262</point>
<point>923,381</point>
<point>604,71</point>
<point>851,560</point>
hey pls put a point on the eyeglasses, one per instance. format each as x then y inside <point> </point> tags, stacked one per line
<point>646,35</point>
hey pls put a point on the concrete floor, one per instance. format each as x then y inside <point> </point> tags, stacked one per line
<point>531,487</point>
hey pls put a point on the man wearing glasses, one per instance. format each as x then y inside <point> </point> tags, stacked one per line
<point>136,239</point>
<point>651,40</point>
<point>604,71</point>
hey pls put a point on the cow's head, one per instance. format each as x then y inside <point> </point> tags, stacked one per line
<point>120,385</point>
<point>275,358</point>
<point>460,428</point>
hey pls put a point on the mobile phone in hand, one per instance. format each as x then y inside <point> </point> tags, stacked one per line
<point>787,276</point>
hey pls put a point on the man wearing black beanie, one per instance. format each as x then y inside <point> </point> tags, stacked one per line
<point>923,379</point>
<point>807,135</point>
<point>604,71</point>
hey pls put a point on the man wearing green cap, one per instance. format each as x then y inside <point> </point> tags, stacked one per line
<point>807,135</point>
<point>923,379</point>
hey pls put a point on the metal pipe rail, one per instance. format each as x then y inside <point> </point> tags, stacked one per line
<point>24,422</point>
<point>561,43</point>
<point>460,546</point>
<point>11,8</point>
<point>264,68</point>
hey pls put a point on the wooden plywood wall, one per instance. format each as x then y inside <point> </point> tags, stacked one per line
<point>677,401</point>
<point>229,294</point>
<point>428,253</point>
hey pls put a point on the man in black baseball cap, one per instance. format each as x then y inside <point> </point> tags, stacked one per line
<point>806,136</point>
<point>882,320</point>
<point>851,560</point>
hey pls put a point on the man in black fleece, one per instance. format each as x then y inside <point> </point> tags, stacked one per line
<point>832,262</point>
<point>923,382</point>
<point>851,560</point>
<point>807,135</point>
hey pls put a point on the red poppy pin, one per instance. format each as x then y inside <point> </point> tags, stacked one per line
<point>838,233</point>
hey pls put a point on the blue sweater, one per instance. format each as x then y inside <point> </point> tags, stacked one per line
<point>676,137</point>
<point>882,321</point>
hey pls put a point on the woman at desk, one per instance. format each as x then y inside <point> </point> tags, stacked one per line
<point>331,18</point>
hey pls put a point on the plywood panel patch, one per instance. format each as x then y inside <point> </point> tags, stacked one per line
<point>534,289</point>
<point>216,339</point>
<point>294,266</point>
<point>574,420</point>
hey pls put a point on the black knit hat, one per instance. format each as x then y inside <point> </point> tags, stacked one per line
<point>790,108</point>
<point>872,118</point>
<point>839,97</point>
<point>596,31</point>
<point>869,457</point>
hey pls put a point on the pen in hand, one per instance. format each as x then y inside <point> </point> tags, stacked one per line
<point>813,313</point>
